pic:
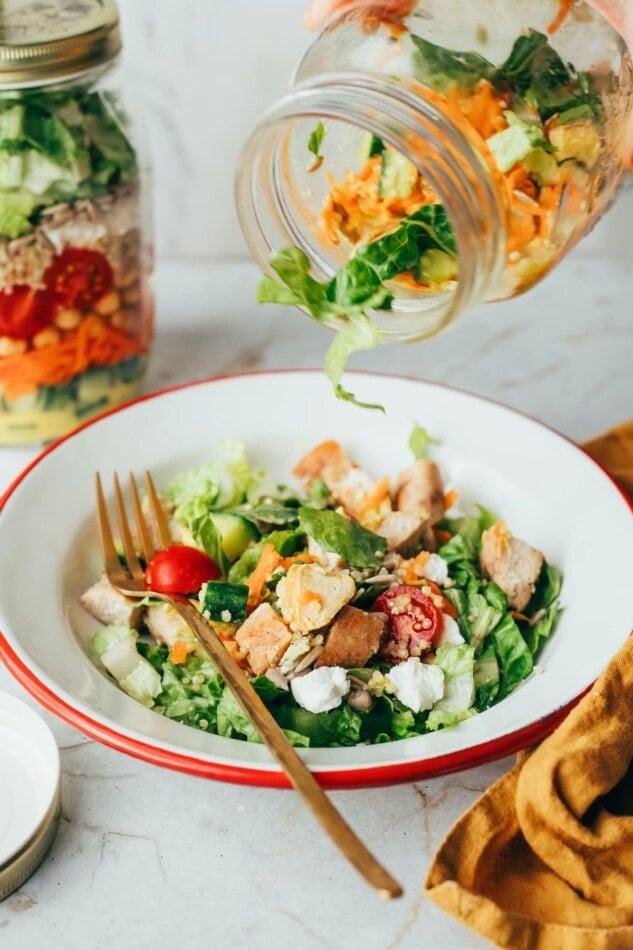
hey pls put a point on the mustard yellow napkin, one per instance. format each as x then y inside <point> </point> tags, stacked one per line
<point>544,859</point>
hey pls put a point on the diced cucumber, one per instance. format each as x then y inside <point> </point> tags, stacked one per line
<point>235,532</point>
<point>397,177</point>
<point>225,602</point>
<point>436,267</point>
<point>371,145</point>
<point>542,165</point>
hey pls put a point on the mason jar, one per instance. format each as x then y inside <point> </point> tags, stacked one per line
<point>433,155</point>
<point>76,309</point>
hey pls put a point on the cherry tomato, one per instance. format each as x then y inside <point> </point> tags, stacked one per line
<point>25,311</point>
<point>414,621</point>
<point>180,569</point>
<point>79,277</point>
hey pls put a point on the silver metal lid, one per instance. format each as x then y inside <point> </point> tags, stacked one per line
<point>43,42</point>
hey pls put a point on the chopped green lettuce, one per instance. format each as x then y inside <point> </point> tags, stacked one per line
<point>516,142</point>
<point>420,441</point>
<point>457,663</point>
<point>358,546</point>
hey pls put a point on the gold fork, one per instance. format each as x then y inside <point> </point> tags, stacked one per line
<point>131,583</point>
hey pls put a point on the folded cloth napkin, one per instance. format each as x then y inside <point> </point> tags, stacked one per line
<point>544,859</point>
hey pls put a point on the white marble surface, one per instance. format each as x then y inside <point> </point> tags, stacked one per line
<point>145,856</point>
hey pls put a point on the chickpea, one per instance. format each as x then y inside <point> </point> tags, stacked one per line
<point>67,318</point>
<point>11,347</point>
<point>45,337</point>
<point>108,304</point>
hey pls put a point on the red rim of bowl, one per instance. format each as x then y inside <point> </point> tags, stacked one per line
<point>363,777</point>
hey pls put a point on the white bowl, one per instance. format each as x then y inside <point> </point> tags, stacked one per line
<point>547,489</point>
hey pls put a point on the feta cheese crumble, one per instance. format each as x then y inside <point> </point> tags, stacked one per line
<point>417,685</point>
<point>322,689</point>
<point>450,632</point>
<point>435,569</point>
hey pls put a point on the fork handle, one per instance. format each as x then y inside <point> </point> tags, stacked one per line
<point>293,765</point>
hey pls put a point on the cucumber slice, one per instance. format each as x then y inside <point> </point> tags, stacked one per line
<point>225,602</point>
<point>436,267</point>
<point>397,177</point>
<point>371,145</point>
<point>235,532</point>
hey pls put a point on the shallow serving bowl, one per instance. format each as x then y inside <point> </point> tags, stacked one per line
<point>547,489</point>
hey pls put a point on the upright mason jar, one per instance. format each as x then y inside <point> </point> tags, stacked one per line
<point>76,310</point>
<point>434,155</point>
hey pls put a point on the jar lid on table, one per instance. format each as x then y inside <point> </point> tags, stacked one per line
<point>30,796</point>
<point>46,42</point>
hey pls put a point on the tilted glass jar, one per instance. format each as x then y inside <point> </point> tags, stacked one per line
<point>76,308</point>
<point>459,150</point>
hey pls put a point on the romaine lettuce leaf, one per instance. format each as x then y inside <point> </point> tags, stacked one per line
<point>457,663</point>
<point>356,545</point>
<point>513,653</point>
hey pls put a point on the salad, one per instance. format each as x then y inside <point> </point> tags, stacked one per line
<point>540,127</point>
<point>362,609</point>
<point>73,329</point>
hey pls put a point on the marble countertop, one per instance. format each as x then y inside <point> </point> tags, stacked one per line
<point>146,856</point>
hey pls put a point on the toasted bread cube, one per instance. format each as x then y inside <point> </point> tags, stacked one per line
<point>105,603</point>
<point>511,563</point>
<point>419,491</point>
<point>310,597</point>
<point>264,638</point>
<point>353,638</point>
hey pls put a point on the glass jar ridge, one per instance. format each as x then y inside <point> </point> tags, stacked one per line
<point>452,90</point>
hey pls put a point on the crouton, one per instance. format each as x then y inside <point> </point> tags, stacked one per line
<point>353,638</point>
<point>264,638</point>
<point>510,563</point>
<point>404,532</point>
<point>419,491</point>
<point>166,625</point>
<point>105,603</point>
<point>310,597</point>
<point>348,483</point>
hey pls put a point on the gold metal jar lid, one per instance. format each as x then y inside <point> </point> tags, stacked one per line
<point>42,43</point>
<point>30,796</point>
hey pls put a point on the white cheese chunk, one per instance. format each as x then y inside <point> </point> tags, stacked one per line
<point>322,689</point>
<point>450,632</point>
<point>417,685</point>
<point>435,569</point>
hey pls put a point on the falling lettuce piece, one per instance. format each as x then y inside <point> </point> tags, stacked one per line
<point>420,441</point>
<point>358,334</point>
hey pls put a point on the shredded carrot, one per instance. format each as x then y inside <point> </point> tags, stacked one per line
<point>450,498</point>
<point>179,652</point>
<point>268,561</point>
<point>413,573</point>
<point>564,6</point>
<point>302,558</point>
<point>483,109</point>
<point>93,343</point>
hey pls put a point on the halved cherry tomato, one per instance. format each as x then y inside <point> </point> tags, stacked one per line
<point>79,277</point>
<point>414,621</point>
<point>25,311</point>
<point>180,569</point>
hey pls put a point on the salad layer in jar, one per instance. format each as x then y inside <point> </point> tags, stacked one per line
<point>362,609</point>
<point>75,312</point>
